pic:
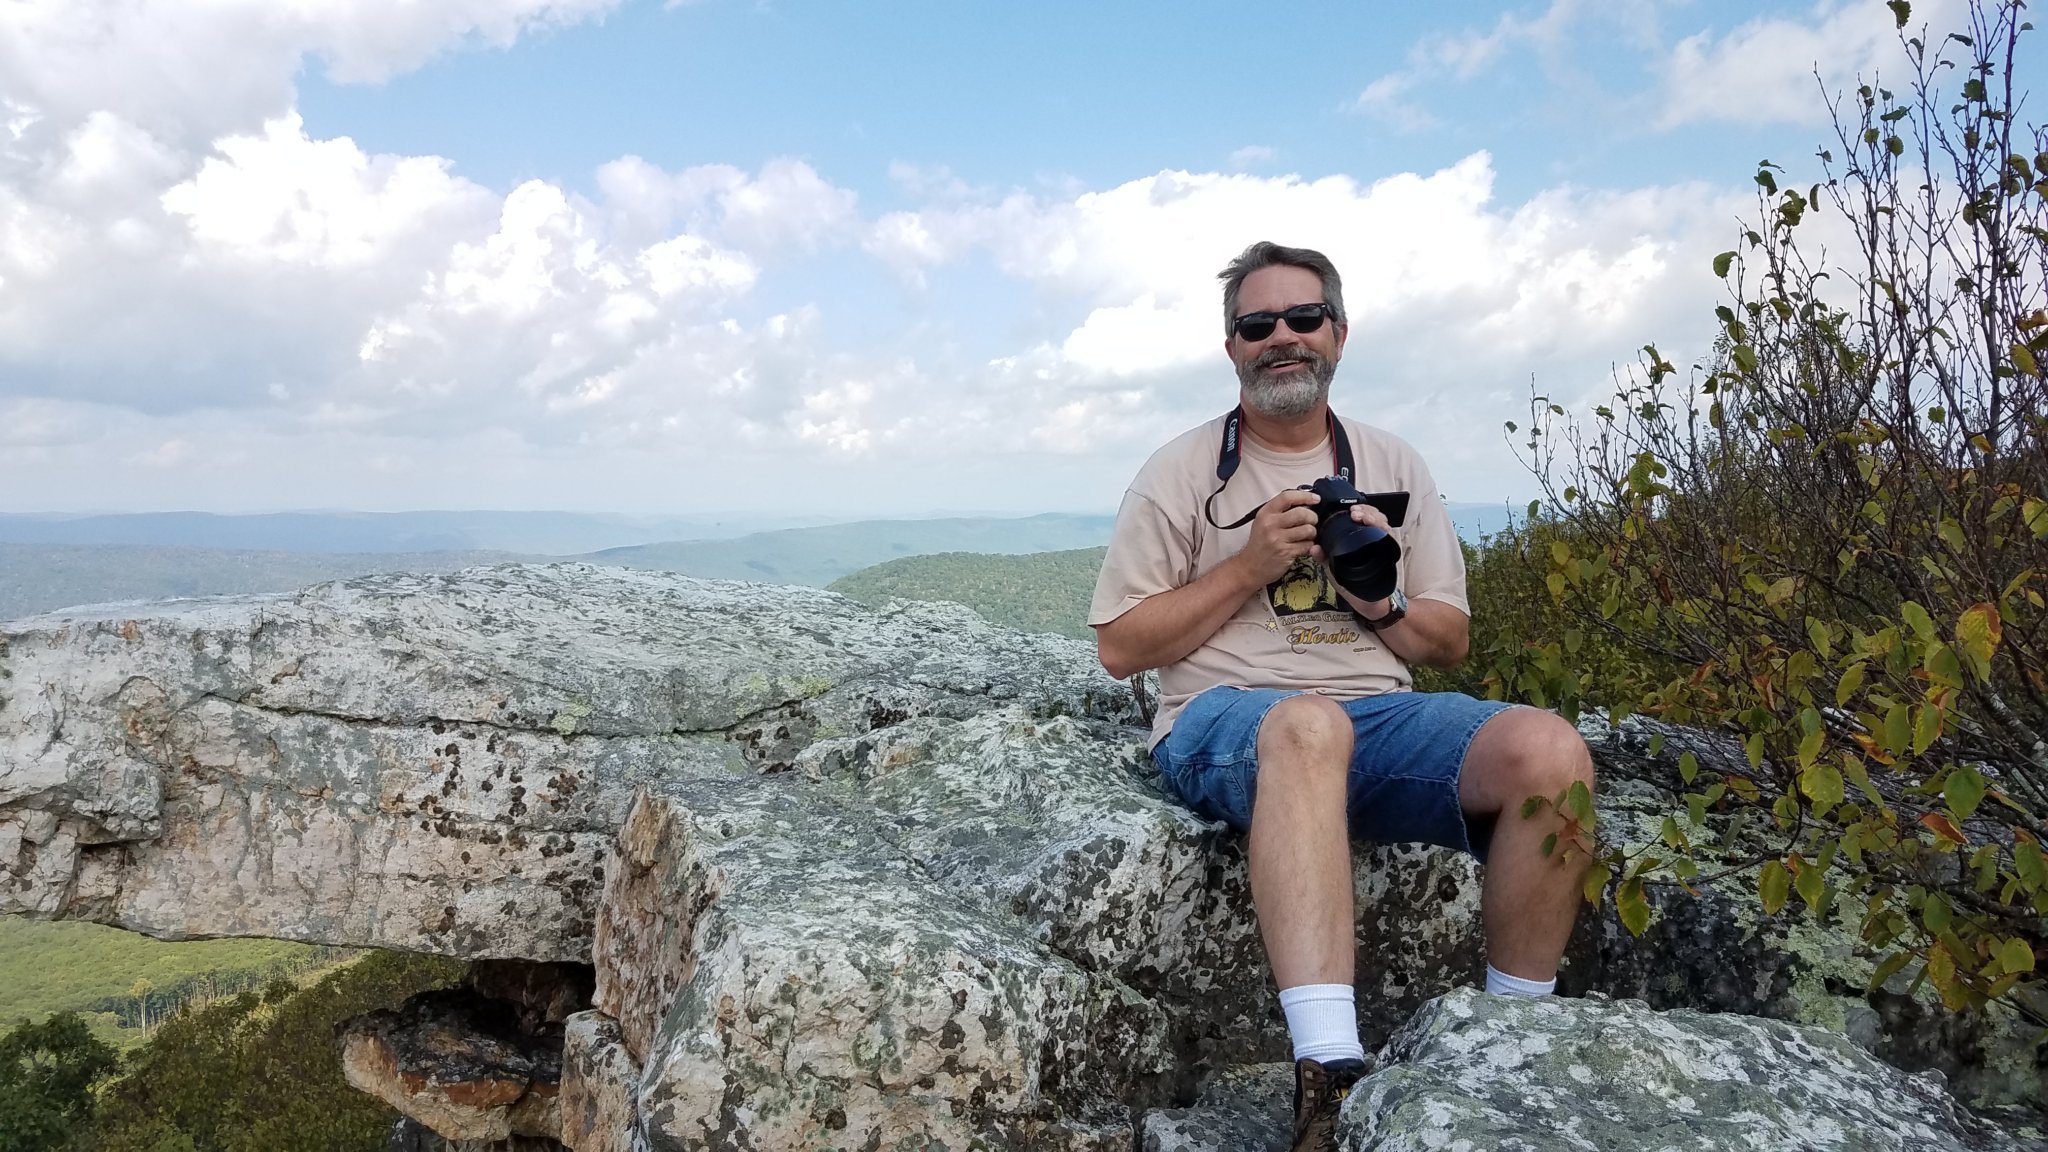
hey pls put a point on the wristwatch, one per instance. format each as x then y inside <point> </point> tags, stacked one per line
<point>1397,607</point>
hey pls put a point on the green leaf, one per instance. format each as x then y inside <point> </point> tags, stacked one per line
<point>1936,914</point>
<point>1917,619</point>
<point>1888,968</point>
<point>1822,783</point>
<point>1902,11</point>
<point>1898,729</point>
<point>1964,790</point>
<point>1774,884</point>
<point>1851,680</point>
<point>1688,768</point>
<point>1533,805</point>
<point>2016,955</point>
<point>1745,358</point>
<point>1723,262</point>
<point>1578,802</point>
<point>1634,910</point>
<point>1672,837</point>
<point>1550,844</point>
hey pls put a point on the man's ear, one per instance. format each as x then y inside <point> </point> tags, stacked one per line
<point>1343,332</point>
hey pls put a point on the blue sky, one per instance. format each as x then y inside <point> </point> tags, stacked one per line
<point>727,255</point>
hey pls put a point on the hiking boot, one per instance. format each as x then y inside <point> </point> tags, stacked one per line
<point>1319,1091</point>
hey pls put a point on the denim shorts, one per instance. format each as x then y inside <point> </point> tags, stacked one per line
<point>1407,750</point>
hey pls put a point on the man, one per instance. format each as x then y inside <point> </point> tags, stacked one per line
<point>1286,706</point>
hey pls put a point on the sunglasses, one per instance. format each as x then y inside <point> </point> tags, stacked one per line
<point>1303,318</point>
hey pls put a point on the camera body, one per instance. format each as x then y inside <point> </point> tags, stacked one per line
<point>1362,559</point>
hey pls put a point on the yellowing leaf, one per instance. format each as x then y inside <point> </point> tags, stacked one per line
<point>1926,727</point>
<point>1780,591</point>
<point>2023,359</point>
<point>1822,783</point>
<point>1978,631</point>
<point>1596,883</point>
<point>1811,885</point>
<point>1774,884</point>
<point>2034,511</point>
<point>2016,955</point>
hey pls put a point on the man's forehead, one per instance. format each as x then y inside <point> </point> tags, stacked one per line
<point>1299,285</point>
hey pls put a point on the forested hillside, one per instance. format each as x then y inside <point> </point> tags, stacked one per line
<point>256,1072</point>
<point>1039,592</point>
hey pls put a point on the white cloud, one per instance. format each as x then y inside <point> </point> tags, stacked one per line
<point>1251,156</point>
<point>786,205</point>
<point>188,73</point>
<point>1386,100</point>
<point>1772,70</point>
<point>1456,301</point>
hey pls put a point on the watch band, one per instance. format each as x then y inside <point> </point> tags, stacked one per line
<point>1397,607</point>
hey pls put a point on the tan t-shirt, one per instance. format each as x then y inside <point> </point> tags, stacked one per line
<point>1297,633</point>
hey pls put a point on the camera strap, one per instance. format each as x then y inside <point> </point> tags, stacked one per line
<point>1227,460</point>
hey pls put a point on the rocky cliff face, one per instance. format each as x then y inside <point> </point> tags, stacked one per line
<point>842,877</point>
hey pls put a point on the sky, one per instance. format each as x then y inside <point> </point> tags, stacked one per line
<point>811,257</point>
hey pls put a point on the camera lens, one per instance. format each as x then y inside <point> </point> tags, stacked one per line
<point>1362,558</point>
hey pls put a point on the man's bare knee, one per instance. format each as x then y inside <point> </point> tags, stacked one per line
<point>1306,731</point>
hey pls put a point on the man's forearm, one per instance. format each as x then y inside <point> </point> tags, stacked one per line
<point>1168,626</point>
<point>1432,633</point>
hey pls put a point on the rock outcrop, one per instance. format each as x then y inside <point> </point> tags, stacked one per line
<point>1479,1071</point>
<point>845,874</point>
<point>777,870</point>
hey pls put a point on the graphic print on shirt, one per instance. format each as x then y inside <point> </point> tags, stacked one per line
<point>1307,610</point>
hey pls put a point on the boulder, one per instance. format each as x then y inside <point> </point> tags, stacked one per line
<point>888,871</point>
<point>831,875</point>
<point>1479,1071</point>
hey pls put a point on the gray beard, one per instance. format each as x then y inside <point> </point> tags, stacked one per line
<point>1286,397</point>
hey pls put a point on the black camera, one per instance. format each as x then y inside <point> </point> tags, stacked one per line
<point>1361,557</point>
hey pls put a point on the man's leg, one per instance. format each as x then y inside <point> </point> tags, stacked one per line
<point>1300,855</point>
<point>1529,900</point>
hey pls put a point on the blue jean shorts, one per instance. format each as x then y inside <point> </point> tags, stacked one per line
<point>1407,751</point>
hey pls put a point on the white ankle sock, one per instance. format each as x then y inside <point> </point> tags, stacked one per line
<point>1323,1020</point>
<point>1501,984</point>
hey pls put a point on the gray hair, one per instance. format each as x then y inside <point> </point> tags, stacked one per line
<point>1266,254</point>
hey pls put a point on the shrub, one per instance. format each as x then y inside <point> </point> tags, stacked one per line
<point>1834,548</point>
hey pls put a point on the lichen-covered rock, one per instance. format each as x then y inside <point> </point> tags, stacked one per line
<point>600,1087</point>
<point>900,870</point>
<point>1243,1109</point>
<point>1474,1071</point>
<point>438,763</point>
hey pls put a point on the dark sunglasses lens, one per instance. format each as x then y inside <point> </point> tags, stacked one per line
<point>1306,318</point>
<point>1256,326</point>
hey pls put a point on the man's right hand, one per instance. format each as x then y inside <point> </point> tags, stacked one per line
<point>1282,532</point>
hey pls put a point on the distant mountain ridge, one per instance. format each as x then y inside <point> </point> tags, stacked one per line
<point>541,533</point>
<point>818,556</point>
<point>50,562</point>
